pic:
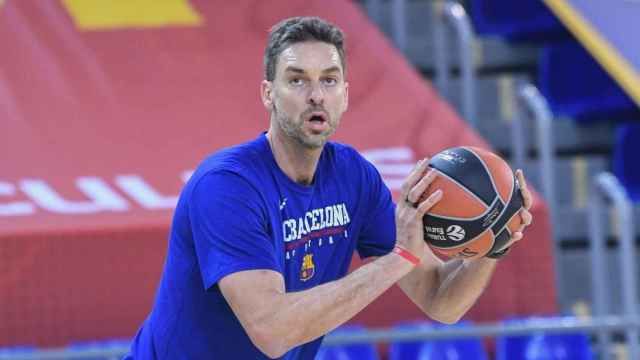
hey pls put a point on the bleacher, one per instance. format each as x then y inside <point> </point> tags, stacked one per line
<point>595,129</point>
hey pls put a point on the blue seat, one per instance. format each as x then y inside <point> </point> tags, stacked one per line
<point>574,346</point>
<point>447,349</point>
<point>17,350</point>
<point>576,86</point>
<point>348,352</point>
<point>528,20</point>
<point>625,161</point>
<point>99,345</point>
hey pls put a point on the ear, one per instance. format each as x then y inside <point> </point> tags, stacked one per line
<point>266,93</point>
<point>346,96</point>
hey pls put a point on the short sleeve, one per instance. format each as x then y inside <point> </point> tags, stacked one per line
<point>230,227</point>
<point>378,236</point>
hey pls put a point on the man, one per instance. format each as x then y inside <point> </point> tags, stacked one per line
<point>264,232</point>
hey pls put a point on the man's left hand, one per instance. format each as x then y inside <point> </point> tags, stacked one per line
<point>525,215</point>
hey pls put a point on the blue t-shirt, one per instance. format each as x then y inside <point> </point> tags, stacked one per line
<point>239,211</point>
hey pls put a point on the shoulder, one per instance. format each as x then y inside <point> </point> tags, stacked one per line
<point>345,155</point>
<point>347,158</point>
<point>238,166</point>
<point>237,158</point>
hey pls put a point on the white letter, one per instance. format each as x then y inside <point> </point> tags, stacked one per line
<point>346,214</point>
<point>294,231</point>
<point>308,219</point>
<point>14,208</point>
<point>314,220</point>
<point>323,224</point>
<point>140,191</point>
<point>337,213</point>
<point>301,230</point>
<point>329,214</point>
<point>101,196</point>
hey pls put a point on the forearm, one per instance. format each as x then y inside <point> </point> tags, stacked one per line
<point>460,286</point>
<point>300,317</point>
<point>447,290</point>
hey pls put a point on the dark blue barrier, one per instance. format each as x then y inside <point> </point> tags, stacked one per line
<point>18,350</point>
<point>348,352</point>
<point>526,20</point>
<point>625,158</point>
<point>543,346</point>
<point>576,86</point>
<point>467,348</point>
<point>99,345</point>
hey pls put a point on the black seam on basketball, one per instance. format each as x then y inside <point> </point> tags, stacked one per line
<point>465,243</point>
<point>506,224</point>
<point>438,162</point>
<point>499,234</point>
<point>440,173</point>
<point>462,246</point>
<point>493,183</point>
<point>436,230</point>
<point>486,211</point>
<point>500,241</point>
<point>508,207</point>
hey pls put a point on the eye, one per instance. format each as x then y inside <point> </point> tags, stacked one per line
<point>330,81</point>
<point>296,81</point>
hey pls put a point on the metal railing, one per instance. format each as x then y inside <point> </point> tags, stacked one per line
<point>399,33</point>
<point>450,14</point>
<point>399,24</point>
<point>532,105</point>
<point>606,186</point>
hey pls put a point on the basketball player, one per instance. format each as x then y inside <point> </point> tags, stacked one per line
<point>264,232</point>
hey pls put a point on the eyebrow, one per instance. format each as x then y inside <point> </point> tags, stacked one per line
<point>301,71</point>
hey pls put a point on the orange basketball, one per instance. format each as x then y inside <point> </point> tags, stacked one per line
<point>479,207</point>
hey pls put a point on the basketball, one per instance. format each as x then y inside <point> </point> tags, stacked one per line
<point>479,207</point>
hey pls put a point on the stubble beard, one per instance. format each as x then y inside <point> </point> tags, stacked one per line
<point>294,130</point>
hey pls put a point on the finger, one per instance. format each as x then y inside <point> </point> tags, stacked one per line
<point>524,189</point>
<point>516,236</point>
<point>416,192</point>
<point>429,202</point>
<point>526,217</point>
<point>415,176</point>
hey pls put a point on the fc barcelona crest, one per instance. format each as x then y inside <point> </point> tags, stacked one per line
<point>308,269</point>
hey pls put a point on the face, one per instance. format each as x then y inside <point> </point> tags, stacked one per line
<point>308,94</point>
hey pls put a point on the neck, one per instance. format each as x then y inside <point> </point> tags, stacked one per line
<point>296,161</point>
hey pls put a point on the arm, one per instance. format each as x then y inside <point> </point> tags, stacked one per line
<point>277,321</point>
<point>446,290</point>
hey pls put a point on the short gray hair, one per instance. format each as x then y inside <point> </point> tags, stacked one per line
<point>300,29</point>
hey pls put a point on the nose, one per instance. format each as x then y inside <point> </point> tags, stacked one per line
<point>316,95</point>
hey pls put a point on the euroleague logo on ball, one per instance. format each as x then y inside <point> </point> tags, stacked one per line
<point>452,157</point>
<point>455,233</point>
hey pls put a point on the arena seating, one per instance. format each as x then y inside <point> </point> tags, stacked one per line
<point>543,346</point>
<point>17,350</point>
<point>467,348</point>
<point>347,352</point>
<point>576,86</point>
<point>516,20</point>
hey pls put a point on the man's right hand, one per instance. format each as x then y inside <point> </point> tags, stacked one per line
<point>410,210</point>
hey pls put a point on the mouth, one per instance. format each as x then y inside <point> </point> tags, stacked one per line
<point>318,122</point>
<point>317,117</point>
